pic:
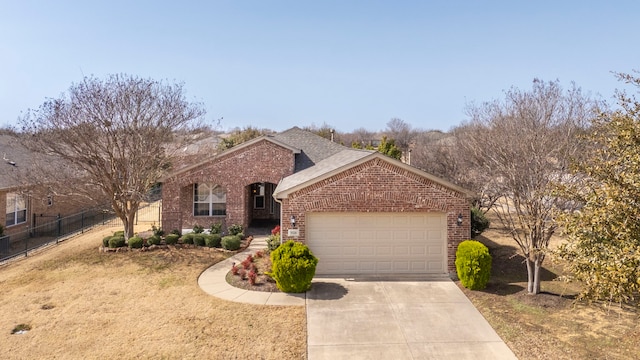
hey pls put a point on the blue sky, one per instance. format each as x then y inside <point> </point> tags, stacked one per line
<point>349,64</point>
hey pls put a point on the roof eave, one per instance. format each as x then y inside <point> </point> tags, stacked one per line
<point>283,194</point>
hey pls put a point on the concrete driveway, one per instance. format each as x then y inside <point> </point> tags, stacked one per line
<point>409,319</point>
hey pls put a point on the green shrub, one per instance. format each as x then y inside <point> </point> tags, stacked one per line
<point>479,221</point>
<point>235,229</point>
<point>293,267</point>
<point>156,230</point>
<point>473,264</point>
<point>213,240</point>
<point>198,239</point>
<point>116,241</point>
<point>273,241</point>
<point>231,242</point>
<point>171,239</point>
<point>176,232</point>
<point>188,238</point>
<point>216,228</point>
<point>105,241</point>
<point>135,242</point>
<point>198,229</point>
<point>154,240</point>
<point>118,233</point>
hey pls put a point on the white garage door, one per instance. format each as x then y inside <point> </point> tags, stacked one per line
<point>378,243</point>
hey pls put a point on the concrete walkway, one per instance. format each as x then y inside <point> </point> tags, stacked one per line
<point>213,282</point>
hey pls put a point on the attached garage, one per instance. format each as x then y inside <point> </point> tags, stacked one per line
<point>361,243</point>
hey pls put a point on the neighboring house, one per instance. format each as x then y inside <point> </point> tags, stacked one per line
<point>27,205</point>
<point>359,211</point>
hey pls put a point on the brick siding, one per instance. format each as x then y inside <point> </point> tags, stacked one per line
<point>380,186</point>
<point>235,170</point>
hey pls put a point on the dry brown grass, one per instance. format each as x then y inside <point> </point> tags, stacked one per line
<point>551,325</point>
<point>83,304</point>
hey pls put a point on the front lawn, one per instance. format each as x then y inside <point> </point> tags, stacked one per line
<point>551,325</point>
<point>82,303</point>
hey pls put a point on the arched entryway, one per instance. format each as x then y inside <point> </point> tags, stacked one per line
<point>262,210</point>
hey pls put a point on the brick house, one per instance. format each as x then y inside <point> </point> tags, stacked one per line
<point>359,211</point>
<point>26,204</point>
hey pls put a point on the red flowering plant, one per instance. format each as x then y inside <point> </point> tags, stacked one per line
<point>274,239</point>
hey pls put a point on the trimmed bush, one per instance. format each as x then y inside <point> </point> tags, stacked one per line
<point>198,229</point>
<point>216,228</point>
<point>171,239</point>
<point>154,240</point>
<point>213,240</point>
<point>135,242</point>
<point>473,264</point>
<point>119,233</point>
<point>198,239</point>
<point>105,241</point>
<point>230,242</point>
<point>116,242</point>
<point>293,267</point>
<point>235,229</point>
<point>188,238</point>
<point>176,232</point>
<point>479,221</point>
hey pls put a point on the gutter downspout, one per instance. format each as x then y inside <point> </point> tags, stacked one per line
<point>279,202</point>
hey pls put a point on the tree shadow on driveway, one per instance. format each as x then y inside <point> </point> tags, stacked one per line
<point>326,291</point>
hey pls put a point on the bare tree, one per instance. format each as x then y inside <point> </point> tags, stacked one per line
<point>522,145</point>
<point>118,133</point>
<point>402,132</point>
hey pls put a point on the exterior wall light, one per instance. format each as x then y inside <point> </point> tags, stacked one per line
<point>293,221</point>
<point>459,220</point>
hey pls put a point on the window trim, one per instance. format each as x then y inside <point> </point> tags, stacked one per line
<point>12,217</point>
<point>210,200</point>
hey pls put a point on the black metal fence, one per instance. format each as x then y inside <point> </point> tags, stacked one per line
<point>48,232</point>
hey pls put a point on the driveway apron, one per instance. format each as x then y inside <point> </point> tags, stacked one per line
<point>380,319</point>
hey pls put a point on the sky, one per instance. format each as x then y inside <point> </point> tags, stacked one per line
<point>347,64</point>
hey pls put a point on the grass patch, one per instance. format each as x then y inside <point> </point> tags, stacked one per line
<point>550,325</point>
<point>147,304</point>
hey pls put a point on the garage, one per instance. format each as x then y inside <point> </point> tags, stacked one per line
<point>362,243</point>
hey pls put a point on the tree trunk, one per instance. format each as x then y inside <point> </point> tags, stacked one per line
<point>128,220</point>
<point>533,276</point>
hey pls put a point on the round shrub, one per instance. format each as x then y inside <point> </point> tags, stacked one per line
<point>231,242</point>
<point>154,240</point>
<point>105,241</point>
<point>473,264</point>
<point>479,221</point>
<point>198,239</point>
<point>293,267</point>
<point>116,242</point>
<point>188,238</point>
<point>135,242</point>
<point>235,229</point>
<point>212,240</point>
<point>118,233</point>
<point>171,239</point>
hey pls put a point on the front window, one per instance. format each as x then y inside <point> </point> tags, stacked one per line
<point>209,200</point>
<point>16,209</point>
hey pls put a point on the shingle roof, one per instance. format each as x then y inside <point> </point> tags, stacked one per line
<point>16,162</point>
<point>332,163</point>
<point>313,148</point>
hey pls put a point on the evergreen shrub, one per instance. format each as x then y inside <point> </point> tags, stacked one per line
<point>473,264</point>
<point>293,267</point>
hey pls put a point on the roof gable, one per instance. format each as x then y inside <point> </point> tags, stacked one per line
<point>345,161</point>
<point>235,149</point>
